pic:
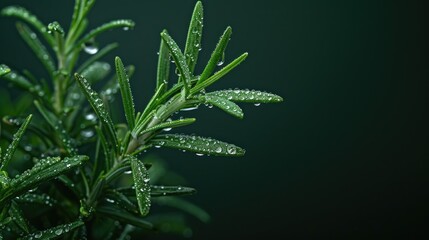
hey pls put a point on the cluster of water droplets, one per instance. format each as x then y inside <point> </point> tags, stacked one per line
<point>96,102</point>
<point>246,95</point>
<point>68,143</point>
<point>142,186</point>
<point>23,14</point>
<point>224,104</point>
<point>4,69</point>
<point>53,232</point>
<point>55,165</point>
<point>197,144</point>
<point>37,198</point>
<point>157,190</point>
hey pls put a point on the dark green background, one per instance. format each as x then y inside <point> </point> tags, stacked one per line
<point>345,156</point>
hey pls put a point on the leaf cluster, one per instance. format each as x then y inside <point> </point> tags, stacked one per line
<point>79,159</point>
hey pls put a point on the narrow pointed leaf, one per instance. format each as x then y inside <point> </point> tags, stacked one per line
<point>127,97</point>
<point>14,144</point>
<point>123,216</point>
<point>54,232</point>
<point>17,216</point>
<point>103,52</point>
<point>216,55</point>
<point>78,6</point>
<point>38,48</point>
<point>193,41</point>
<point>99,108</point>
<point>122,23</point>
<point>223,104</point>
<point>163,70</point>
<point>179,59</point>
<point>198,144</point>
<point>4,69</point>
<point>96,72</point>
<point>112,86</point>
<point>43,171</point>
<point>218,74</point>
<point>247,96</point>
<point>18,80</point>
<point>159,191</point>
<point>122,201</point>
<point>185,206</point>
<point>25,15</point>
<point>67,142</point>
<point>170,124</point>
<point>141,184</point>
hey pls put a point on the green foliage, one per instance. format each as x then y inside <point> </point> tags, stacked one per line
<point>73,156</point>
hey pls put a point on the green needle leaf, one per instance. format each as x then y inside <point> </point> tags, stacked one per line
<point>216,55</point>
<point>159,191</point>
<point>122,201</point>
<point>18,80</point>
<point>14,144</point>
<point>16,214</point>
<point>141,184</point>
<point>179,60</point>
<point>219,74</point>
<point>123,216</point>
<point>127,97</point>
<point>43,171</point>
<point>163,70</point>
<point>223,104</point>
<point>193,41</point>
<point>4,70</point>
<point>247,96</point>
<point>122,23</point>
<point>25,15</point>
<point>66,141</point>
<point>54,232</point>
<point>169,125</point>
<point>99,108</point>
<point>197,144</point>
<point>38,48</point>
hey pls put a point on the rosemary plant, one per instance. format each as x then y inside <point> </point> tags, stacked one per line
<point>73,180</point>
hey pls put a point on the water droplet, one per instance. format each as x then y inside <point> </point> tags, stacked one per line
<point>146,180</point>
<point>167,129</point>
<point>38,235</point>
<point>231,150</point>
<point>90,48</point>
<point>87,133</point>
<point>257,104</point>
<point>110,200</point>
<point>218,149</point>
<point>58,231</point>
<point>126,28</point>
<point>90,117</point>
<point>177,72</point>
<point>189,108</point>
<point>127,172</point>
<point>199,154</point>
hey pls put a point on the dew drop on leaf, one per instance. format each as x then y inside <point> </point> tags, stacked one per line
<point>58,231</point>
<point>90,48</point>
